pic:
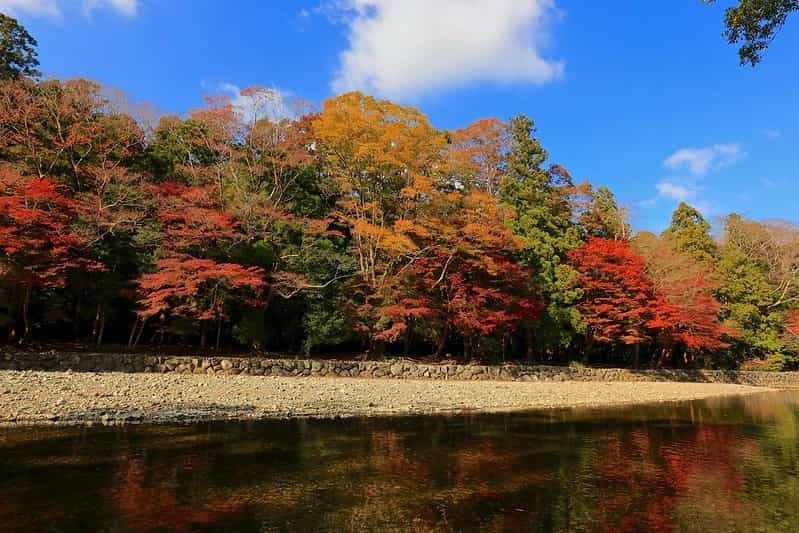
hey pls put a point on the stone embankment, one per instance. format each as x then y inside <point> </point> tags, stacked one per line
<point>397,369</point>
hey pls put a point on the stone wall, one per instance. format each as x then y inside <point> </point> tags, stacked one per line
<point>108,362</point>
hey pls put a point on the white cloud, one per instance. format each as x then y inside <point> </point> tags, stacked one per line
<point>708,209</point>
<point>126,7</point>
<point>47,8</point>
<point>699,161</point>
<point>403,48</point>
<point>648,202</point>
<point>675,191</point>
<point>54,8</point>
<point>688,193</point>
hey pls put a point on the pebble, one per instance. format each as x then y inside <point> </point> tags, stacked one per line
<point>116,398</point>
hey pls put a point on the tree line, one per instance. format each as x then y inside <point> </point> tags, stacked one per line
<point>271,225</point>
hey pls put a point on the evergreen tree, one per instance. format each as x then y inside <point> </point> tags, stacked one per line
<point>17,50</point>
<point>691,233</point>
<point>544,223</point>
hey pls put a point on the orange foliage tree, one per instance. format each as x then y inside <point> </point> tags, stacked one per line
<point>384,158</point>
<point>478,152</point>
<point>466,282</point>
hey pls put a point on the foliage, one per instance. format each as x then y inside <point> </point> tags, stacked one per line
<point>754,24</point>
<point>17,50</point>
<point>544,223</point>
<point>361,226</point>
<point>690,233</point>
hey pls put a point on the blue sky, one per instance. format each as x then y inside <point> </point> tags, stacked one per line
<point>645,97</point>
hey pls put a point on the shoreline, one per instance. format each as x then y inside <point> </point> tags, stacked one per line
<point>34,398</point>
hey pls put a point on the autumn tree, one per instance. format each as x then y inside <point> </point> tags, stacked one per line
<point>619,299</point>
<point>71,131</point>
<point>247,179</point>
<point>467,283</point>
<point>384,159</point>
<point>198,290</point>
<point>38,247</point>
<point>687,323</point>
<point>478,152</point>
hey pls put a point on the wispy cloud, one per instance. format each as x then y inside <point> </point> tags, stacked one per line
<point>676,191</point>
<point>56,8</point>
<point>707,208</point>
<point>699,161</point>
<point>648,202</point>
<point>403,48</point>
<point>771,133</point>
<point>47,8</point>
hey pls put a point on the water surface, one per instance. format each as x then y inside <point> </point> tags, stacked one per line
<point>716,465</point>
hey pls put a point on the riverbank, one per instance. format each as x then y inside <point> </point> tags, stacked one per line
<point>29,398</point>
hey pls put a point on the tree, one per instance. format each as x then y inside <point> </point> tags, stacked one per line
<point>467,283</point>
<point>688,324</point>
<point>478,153</point>
<point>38,246</point>
<point>759,274</point>
<point>17,50</point>
<point>754,24</point>
<point>383,158</point>
<point>604,218</point>
<point>619,297</point>
<point>541,200</point>
<point>65,129</point>
<point>690,233</point>
<point>199,290</point>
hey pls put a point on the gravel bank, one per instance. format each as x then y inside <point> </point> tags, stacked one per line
<point>78,398</point>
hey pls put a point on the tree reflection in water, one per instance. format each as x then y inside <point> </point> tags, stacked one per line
<point>720,465</point>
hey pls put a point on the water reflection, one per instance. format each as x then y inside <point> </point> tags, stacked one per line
<point>718,465</point>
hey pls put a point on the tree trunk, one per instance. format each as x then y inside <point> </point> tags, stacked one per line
<point>138,335</point>
<point>202,336</point>
<point>76,318</point>
<point>101,331</point>
<point>133,332</point>
<point>96,324</point>
<point>218,333</point>
<point>26,314</point>
<point>442,342</point>
<point>528,342</point>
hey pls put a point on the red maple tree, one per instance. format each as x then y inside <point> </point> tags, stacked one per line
<point>38,246</point>
<point>198,289</point>
<point>619,297</point>
<point>624,304</point>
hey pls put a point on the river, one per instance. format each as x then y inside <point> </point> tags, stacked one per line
<point>727,464</point>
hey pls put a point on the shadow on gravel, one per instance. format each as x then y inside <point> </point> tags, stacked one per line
<point>183,412</point>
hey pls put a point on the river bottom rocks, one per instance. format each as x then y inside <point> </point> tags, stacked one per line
<point>32,397</point>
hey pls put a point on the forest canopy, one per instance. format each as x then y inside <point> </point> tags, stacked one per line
<point>357,227</point>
